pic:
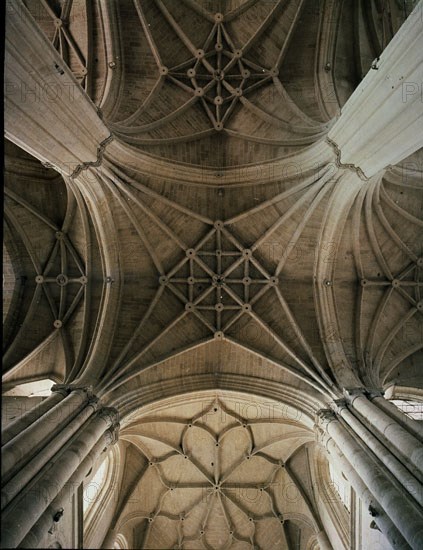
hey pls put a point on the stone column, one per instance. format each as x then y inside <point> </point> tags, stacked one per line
<point>38,532</point>
<point>404,444</point>
<point>108,542</point>
<point>47,113</point>
<point>27,508</point>
<point>382,521</point>
<point>380,124</point>
<point>20,424</point>
<point>19,450</point>
<point>403,511</point>
<point>413,426</point>
<point>23,476</point>
<point>407,480</point>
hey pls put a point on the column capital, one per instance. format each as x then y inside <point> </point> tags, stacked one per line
<point>321,436</point>
<point>372,393</point>
<point>66,389</point>
<point>94,402</point>
<point>339,404</point>
<point>352,393</point>
<point>110,415</point>
<point>112,434</point>
<point>325,417</point>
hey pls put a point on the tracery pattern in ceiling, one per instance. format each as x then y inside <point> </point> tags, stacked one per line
<point>221,472</point>
<point>229,271</point>
<point>383,248</point>
<point>228,84</point>
<point>216,279</point>
<point>75,30</point>
<point>221,83</point>
<point>221,76</point>
<point>48,323</point>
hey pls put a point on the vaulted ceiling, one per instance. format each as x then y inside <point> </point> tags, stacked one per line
<point>123,267</point>
<point>218,470</point>
<point>215,83</point>
<point>190,259</point>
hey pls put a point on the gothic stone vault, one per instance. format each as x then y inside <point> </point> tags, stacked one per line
<point>212,209</point>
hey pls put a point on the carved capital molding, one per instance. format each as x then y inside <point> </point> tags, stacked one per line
<point>112,434</point>
<point>110,415</point>
<point>340,404</point>
<point>352,393</point>
<point>66,389</point>
<point>94,402</point>
<point>321,435</point>
<point>373,393</point>
<point>324,417</point>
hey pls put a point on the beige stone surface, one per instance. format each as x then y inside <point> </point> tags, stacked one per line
<point>227,215</point>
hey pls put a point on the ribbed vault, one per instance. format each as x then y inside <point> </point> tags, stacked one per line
<point>381,254</point>
<point>47,227</point>
<point>219,83</point>
<point>138,261</point>
<point>218,470</point>
<point>216,244</point>
<point>229,78</point>
<point>222,279</point>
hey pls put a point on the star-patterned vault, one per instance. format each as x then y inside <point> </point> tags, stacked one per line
<point>215,80</point>
<point>219,73</point>
<point>219,280</point>
<point>215,282</point>
<point>215,250</point>
<point>222,477</point>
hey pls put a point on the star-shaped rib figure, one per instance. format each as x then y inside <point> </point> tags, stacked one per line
<point>219,280</point>
<point>219,74</point>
